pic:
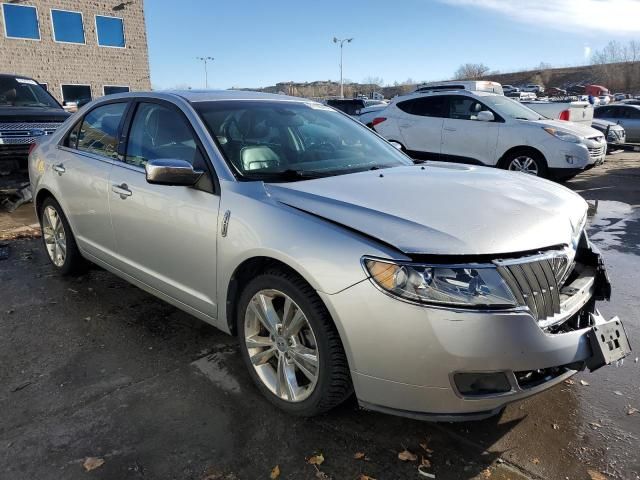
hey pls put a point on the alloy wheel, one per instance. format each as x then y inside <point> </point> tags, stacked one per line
<point>524,164</point>
<point>281,345</point>
<point>54,236</point>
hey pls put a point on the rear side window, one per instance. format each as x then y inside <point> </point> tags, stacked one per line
<point>426,107</point>
<point>602,112</point>
<point>158,132</point>
<point>99,131</point>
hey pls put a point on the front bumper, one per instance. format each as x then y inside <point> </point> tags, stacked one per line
<point>403,357</point>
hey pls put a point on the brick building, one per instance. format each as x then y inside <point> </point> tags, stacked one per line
<point>78,49</point>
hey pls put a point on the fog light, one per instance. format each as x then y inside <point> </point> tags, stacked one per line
<point>569,159</point>
<point>475,384</point>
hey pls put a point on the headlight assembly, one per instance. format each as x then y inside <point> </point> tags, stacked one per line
<point>446,285</point>
<point>564,136</point>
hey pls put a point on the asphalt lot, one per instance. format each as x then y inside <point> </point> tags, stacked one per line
<point>93,367</point>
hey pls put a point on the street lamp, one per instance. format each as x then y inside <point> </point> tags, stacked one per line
<point>205,60</point>
<point>341,42</point>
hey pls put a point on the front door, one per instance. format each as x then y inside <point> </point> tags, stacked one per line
<point>466,139</point>
<point>166,235</point>
<point>82,167</point>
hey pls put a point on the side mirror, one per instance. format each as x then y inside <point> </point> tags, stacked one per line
<point>485,116</point>
<point>171,172</point>
<point>396,144</point>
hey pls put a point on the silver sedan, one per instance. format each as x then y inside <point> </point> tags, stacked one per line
<point>430,290</point>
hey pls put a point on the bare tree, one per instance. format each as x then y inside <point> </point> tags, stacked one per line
<point>470,71</point>
<point>371,80</point>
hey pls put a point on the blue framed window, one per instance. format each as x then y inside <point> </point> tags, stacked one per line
<point>20,21</point>
<point>110,31</point>
<point>67,26</point>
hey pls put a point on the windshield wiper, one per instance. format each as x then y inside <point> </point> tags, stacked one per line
<point>289,174</point>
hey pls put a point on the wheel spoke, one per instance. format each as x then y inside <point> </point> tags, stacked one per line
<point>263,357</point>
<point>293,326</point>
<point>62,244</point>
<point>527,163</point>
<point>307,362</point>
<point>256,341</point>
<point>287,382</point>
<point>256,308</point>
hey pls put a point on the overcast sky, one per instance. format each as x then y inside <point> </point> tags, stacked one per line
<point>257,43</point>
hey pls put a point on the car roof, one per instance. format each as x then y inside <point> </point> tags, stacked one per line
<point>11,75</point>
<point>194,96</point>
<point>468,93</point>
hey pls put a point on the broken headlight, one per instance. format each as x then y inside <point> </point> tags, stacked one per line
<point>447,285</point>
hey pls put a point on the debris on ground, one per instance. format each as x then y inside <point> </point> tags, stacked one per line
<point>595,475</point>
<point>407,456</point>
<point>535,461</point>
<point>316,459</point>
<point>91,463</point>
<point>555,426</point>
<point>275,472</point>
<point>584,383</point>
<point>632,411</point>
<point>422,471</point>
<point>360,456</point>
<point>618,392</point>
<point>365,477</point>
<point>568,381</point>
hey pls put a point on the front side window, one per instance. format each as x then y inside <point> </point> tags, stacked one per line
<point>21,21</point>
<point>24,92</point>
<point>99,131</point>
<point>110,31</point>
<point>464,108</point>
<point>111,89</point>
<point>508,108</point>
<point>632,113</point>
<point>158,132</point>
<point>283,141</point>
<point>67,26</point>
<point>78,94</point>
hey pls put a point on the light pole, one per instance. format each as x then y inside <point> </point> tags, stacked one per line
<point>341,42</point>
<point>205,60</point>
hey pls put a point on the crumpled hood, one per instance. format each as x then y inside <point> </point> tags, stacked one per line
<point>444,209</point>
<point>571,127</point>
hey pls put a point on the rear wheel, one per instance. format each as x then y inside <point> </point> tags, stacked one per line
<point>525,161</point>
<point>58,239</point>
<point>290,345</point>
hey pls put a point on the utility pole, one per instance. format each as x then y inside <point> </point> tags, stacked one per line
<point>205,60</point>
<point>341,42</point>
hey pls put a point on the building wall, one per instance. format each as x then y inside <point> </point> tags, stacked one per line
<point>57,63</point>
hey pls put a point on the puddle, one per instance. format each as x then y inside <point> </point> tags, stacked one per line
<point>213,367</point>
<point>608,224</point>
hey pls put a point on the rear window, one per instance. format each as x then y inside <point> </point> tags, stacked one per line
<point>426,107</point>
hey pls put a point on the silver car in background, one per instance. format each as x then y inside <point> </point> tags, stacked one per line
<point>431,290</point>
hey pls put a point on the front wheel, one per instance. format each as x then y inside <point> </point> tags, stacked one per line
<point>290,345</point>
<point>531,163</point>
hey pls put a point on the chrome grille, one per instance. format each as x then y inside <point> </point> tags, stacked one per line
<point>8,126</point>
<point>536,281</point>
<point>596,152</point>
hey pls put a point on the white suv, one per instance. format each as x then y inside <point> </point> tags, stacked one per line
<point>487,129</point>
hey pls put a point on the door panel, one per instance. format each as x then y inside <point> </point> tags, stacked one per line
<point>466,139</point>
<point>166,237</point>
<point>420,122</point>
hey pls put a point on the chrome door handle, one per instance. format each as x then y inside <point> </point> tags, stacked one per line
<point>122,190</point>
<point>59,168</point>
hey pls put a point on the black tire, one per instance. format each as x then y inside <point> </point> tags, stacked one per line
<point>537,157</point>
<point>334,381</point>
<point>73,261</point>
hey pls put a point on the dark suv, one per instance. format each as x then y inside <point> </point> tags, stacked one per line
<point>27,111</point>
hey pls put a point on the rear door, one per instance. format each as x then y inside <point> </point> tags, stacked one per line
<point>466,139</point>
<point>166,235</point>
<point>81,169</point>
<point>420,123</point>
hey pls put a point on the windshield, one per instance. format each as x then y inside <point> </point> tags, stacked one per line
<point>278,140</point>
<point>24,92</point>
<point>510,108</point>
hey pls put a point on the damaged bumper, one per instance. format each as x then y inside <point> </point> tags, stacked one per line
<point>459,364</point>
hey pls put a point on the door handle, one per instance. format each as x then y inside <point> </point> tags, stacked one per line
<point>404,125</point>
<point>122,190</point>
<point>59,168</point>
<point>449,129</point>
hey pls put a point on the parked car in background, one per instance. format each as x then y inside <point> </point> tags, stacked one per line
<point>596,90</point>
<point>571,111</point>
<point>350,106</point>
<point>27,113</point>
<point>488,129</point>
<point>628,116</point>
<point>507,89</point>
<point>555,92</point>
<point>604,100</point>
<point>534,88</point>
<point>577,90</point>
<point>614,133</point>
<point>472,85</point>
<point>619,96</point>
<point>522,96</point>
<point>368,114</point>
<point>631,101</point>
<point>339,264</point>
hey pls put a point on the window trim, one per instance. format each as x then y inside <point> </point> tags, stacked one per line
<point>128,124</point>
<point>74,85</point>
<point>53,27</point>
<point>119,86</point>
<point>124,33</point>
<point>4,22</point>
<point>497,118</point>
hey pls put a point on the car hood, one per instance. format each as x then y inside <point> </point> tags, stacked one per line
<point>571,127</point>
<point>603,124</point>
<point>32,114</point>
<point>443,209</point>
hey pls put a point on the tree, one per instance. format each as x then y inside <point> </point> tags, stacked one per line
<point>470,71</point>
<point>371,80</point>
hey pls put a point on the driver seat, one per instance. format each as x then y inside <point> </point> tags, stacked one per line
<point>255,157</point>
